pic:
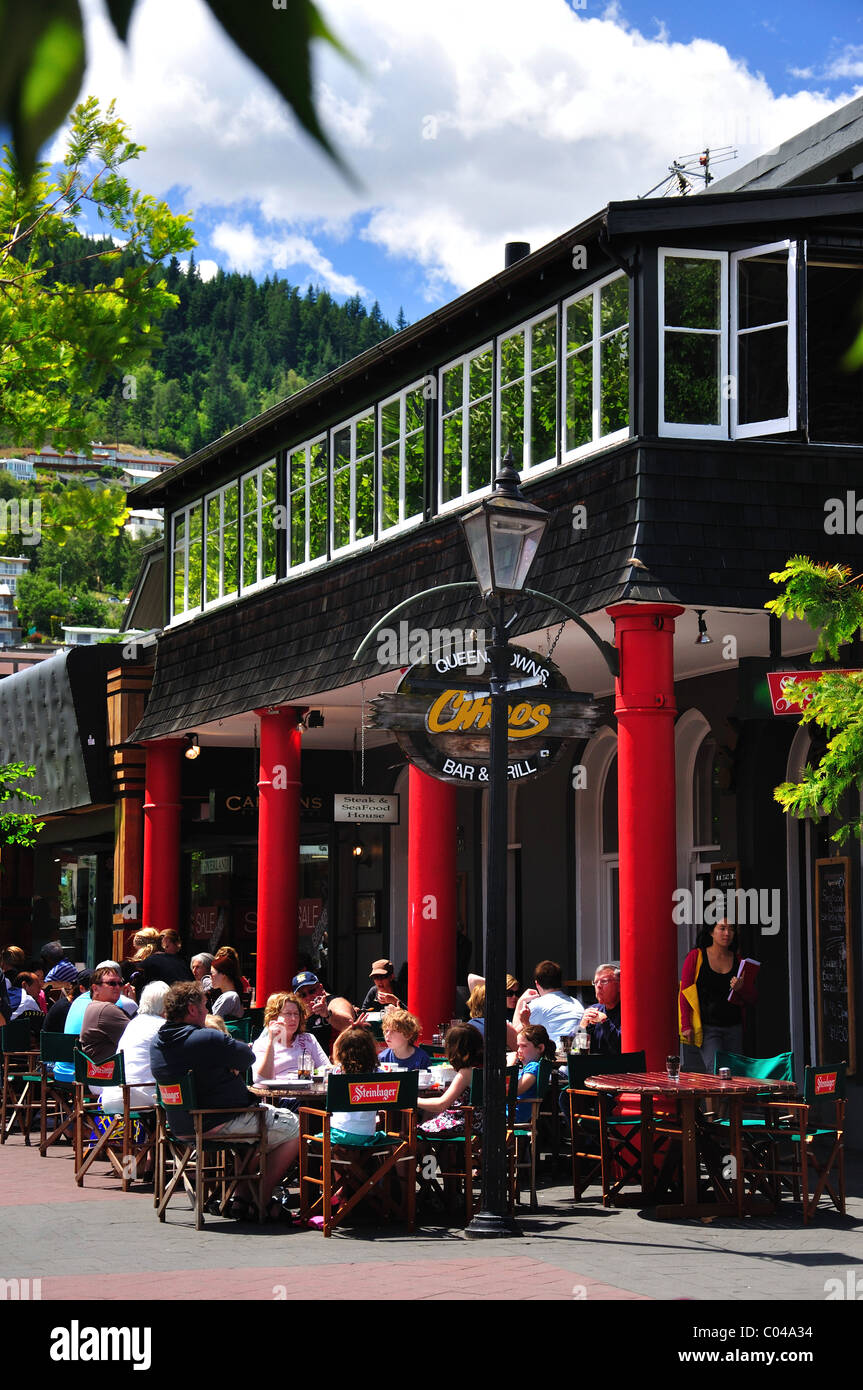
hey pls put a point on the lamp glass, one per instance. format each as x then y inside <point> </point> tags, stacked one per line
<point>503,535</point>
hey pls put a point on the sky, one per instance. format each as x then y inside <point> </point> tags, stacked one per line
<point>470,123</point>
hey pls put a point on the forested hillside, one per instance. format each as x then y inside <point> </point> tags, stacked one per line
<point>230,349</point>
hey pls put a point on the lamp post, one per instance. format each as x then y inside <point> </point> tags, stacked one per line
<point>503,535</point>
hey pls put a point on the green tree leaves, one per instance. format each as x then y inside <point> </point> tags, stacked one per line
<point>827,597</point>
<point>17,827</point>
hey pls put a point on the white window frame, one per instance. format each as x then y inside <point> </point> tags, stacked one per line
<point>598,440</point>
<point>404,522</point>
<point>224,596</point>
<point>673,429</point>
<point>523,465</point>
<point>789,421</point>
<point>464,361</point>
<point>262,581</point>
<point>185,513</point>
<point>351,424</point>
<point>307,446</point>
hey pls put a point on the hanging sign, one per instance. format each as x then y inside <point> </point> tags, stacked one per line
<point>792,691</point>
<point>366,807</point>
<point>442,720</point>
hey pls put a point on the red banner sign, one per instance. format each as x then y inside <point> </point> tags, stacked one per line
<point>100,1071</point>
<point>792,691</point>
<point>373,1092</point>
<point>171,1095</point>
<point>825,1085</point>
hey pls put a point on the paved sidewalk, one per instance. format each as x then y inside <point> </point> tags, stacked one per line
<point>95,1243</point>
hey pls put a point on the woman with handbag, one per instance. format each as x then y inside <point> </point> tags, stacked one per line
<point>712,997</point>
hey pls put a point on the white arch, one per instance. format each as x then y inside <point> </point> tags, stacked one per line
<point>597,758</point>
<point>690,731</point>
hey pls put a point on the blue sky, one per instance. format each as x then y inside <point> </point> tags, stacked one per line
<point>472,124</point>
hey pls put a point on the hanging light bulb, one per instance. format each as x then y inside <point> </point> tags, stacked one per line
<point>703,637</point>
<point>194,748</point>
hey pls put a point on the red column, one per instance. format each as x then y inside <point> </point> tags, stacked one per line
<point>278,850</point>
<point>161,897</point>
<point>645,709</point>
<point>431,899</point>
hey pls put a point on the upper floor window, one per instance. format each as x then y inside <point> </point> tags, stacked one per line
<point>308,502</point>
<point>187,548</point>
<point>527,392</point>
<point>258,525</point>
<point>727,362</point>
<point>466,426</point>
<point>402,445</point>
<point>354,481</point>
<point>596,366</point>
<point>221,566</point>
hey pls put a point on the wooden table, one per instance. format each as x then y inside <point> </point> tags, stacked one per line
<point>687,1091</point>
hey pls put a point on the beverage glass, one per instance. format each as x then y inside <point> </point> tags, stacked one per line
<point>672,1067</point>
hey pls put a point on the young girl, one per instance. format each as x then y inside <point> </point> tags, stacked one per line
<point>281,1045</point>
<point>533,1044</point>
<point>355,1052</point>
<point>464,1052</point>
<point>401,1031</point>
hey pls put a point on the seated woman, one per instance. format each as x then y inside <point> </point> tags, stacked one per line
<point>135,1047</point>
<point>463,1045</point>
<point>227,980</point>
<point>476,1009</point>
<point>280,1047</point>
<point>533,1044</point>
<point>355,1052</point>
<point>401,1033</point>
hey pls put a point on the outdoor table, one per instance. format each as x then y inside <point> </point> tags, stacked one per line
<point>686,1092</point>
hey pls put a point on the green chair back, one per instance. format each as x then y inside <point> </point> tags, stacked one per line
<point>240,1027</point>
<point>778,1068</point>
<point>109,1073</point>
<point>543,1079</point>
<point>177,1095</point>
<point>476,1088</point>
<point>824,1083</point>
<point>21,1033</point>
<point>58,1047</point>
<point>381,1090</point>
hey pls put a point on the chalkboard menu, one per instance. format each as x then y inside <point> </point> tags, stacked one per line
<point>834,963</point>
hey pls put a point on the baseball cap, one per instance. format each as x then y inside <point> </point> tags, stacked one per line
<point>303,979</point>
<point>382,967</point>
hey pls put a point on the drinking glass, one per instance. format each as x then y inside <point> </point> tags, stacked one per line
<point>672,1067</point>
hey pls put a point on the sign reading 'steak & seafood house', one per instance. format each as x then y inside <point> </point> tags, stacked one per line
<point>442,719</point>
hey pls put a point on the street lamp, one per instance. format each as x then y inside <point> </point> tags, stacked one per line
<point>503,535</point>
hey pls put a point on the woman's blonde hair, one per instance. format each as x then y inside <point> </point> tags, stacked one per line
<point>476,1002</point>
<point>277,1002</point>
<point>217,1022</point>
<point>145,942</point>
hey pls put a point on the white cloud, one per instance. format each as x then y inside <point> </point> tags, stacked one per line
<point>247,250</point>
<point>477,121</point>
<point>206,269</point>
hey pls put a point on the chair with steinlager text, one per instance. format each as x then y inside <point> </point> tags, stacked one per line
<point>380,1172</point>
<point>209,1166</point>
<point>126,1139</point>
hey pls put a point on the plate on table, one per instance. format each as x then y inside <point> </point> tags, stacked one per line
<point>284,1082</point>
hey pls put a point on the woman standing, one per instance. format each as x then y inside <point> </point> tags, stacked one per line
<point>712,997</point>
<point>227,981</point>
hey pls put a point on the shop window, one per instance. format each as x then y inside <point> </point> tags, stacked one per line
<point>834,297</point>
<point>727,351</point>
<point>596,381</point>
<point>527,392</point>
<point>402,462</point>
<point>186,561</point>
<point>308,503</point>
<point>466,426</point>
<point>353,455</point>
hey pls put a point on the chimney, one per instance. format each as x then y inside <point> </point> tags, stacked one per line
<point>515,251</point>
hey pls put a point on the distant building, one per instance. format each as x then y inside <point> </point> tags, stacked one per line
<point>22,469</point>
<point>11,569</point>
<point>87,636</point>
<point>10,632</point>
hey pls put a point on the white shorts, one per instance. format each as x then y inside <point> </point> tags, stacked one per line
<point>282,1125</point>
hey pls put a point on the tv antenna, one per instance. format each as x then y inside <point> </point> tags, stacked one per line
<point>687,168</point>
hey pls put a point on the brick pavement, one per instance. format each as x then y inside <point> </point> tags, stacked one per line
<point>95,1243</point>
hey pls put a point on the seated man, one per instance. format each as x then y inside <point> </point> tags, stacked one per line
<point>218,1063</point>
<point>557,1012</point>
<point>602,1019</point>
<point>103,1024</point>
